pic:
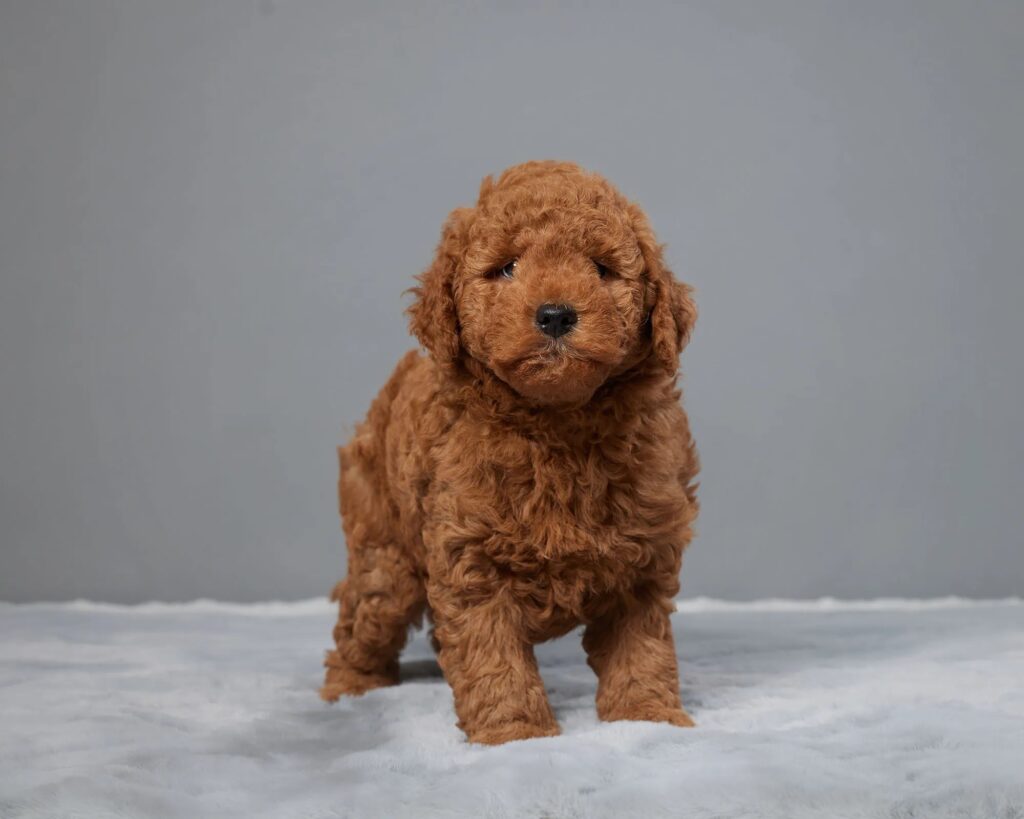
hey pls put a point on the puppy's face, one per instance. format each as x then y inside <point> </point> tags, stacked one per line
<point>552,283</point>
<point>550,294</point>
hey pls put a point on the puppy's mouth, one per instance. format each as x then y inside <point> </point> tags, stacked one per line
<point>555,372</point>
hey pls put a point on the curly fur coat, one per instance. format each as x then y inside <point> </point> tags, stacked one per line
<point>521,480</point>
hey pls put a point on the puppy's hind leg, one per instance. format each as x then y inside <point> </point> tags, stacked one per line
<point>378,601</point>
<point>383,593</point>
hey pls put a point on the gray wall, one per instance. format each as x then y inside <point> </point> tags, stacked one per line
<point>209,212</point>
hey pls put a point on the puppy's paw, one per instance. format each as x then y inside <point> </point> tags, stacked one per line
<point>341,679</point>
<point>510,732</point>
<point>651,713</point>
<point>675,716</point>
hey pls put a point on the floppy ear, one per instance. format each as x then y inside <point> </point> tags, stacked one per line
<point>432,317</point>
<point>673,313</point>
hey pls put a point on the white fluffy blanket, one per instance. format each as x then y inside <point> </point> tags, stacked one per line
<point>881,708</point>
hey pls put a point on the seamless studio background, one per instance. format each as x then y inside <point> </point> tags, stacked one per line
<point>209,213</point>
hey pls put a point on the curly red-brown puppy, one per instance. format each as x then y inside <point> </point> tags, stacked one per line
<point>535,471</point>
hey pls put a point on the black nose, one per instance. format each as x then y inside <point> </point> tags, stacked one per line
<point>555,319</point>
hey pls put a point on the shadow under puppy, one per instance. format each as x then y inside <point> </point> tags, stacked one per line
<point>535,471</point>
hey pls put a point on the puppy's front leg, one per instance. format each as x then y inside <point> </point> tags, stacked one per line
<point>632,652</point>
<point>499,695</point>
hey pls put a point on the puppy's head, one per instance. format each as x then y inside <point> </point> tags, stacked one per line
<point>554,283</point>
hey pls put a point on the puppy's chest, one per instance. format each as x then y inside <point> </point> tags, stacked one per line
<point>562,528</point>
<point>570,549</point>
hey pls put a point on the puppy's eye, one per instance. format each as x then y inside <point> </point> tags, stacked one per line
<point>508,271</point>
<point>602,270</point>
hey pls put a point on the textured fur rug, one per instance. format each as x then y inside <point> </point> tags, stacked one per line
<point>881,708</point>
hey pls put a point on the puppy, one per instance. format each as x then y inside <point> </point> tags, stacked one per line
<point>534,472</point>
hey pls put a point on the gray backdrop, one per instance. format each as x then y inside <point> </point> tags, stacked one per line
<point>209,212</point>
